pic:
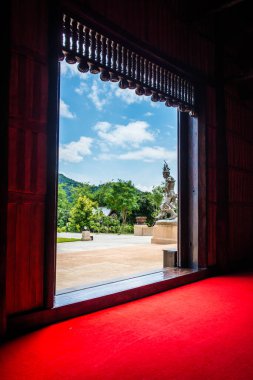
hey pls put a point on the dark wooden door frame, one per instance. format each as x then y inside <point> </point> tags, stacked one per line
<point>192,174</point>
<point>52,156</point>
<point>192,238</point>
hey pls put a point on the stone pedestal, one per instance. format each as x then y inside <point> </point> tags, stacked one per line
<point>142,230</point>
<point>165,232</point>
<point>86,236</point>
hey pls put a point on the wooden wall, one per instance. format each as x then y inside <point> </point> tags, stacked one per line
<point>154,22</point>
<point>27,156</point>
<point>239,125</point>
<point>149,21</point>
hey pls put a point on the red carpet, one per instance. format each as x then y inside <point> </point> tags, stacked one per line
<point>200,331</point>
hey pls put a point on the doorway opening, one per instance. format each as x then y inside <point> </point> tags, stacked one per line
<point>137,72</point>
<point>113,148</point>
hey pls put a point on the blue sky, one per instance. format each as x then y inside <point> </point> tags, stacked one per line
<point>108,134</point>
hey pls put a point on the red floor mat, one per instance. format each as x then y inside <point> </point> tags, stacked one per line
<point>199,331</point>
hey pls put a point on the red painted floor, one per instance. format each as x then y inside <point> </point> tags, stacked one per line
<point>199,331</point>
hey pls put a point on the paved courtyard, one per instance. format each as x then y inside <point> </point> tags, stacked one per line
<point>108,257</point>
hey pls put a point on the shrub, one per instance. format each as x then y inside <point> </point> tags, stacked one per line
<point>127,229</point>
<point>82,214</point>
<point>62,229</point>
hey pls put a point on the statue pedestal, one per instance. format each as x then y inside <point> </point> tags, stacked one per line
<point>165,232</point>
<point>142,230</point>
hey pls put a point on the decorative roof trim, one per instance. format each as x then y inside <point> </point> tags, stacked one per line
<point>97,53</point>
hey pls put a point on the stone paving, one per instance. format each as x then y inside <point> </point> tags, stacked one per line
<point>100,241</point>
<point>107,258</point>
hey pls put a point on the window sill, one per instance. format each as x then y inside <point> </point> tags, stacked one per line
<point>99,297</point>
<point>120,285</point>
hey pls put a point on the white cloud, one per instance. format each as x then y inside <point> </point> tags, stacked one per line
<point>132,134</point>
<point>103,147</point>
<point>154,104</point>
<point>146,154</point>
<point>71,70</point>
<point>75,151</point>
<point>99,95</point>
<point>150,154</point>
<point>102,126</point>
<point>129,96</point>
<point>64,110</point>
<point>82,88</point>
<point>148,114</point>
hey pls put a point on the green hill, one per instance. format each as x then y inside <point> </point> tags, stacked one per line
<point>68,182</point>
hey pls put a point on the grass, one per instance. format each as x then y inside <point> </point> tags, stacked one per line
<point>66,240</point>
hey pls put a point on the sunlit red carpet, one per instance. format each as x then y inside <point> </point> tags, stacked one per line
<point>200,331</point>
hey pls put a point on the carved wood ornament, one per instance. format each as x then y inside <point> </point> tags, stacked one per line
<point>97,53</point>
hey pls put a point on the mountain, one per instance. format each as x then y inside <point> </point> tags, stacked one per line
<point>67,182</point>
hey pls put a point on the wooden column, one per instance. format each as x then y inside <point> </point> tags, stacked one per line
<point>202,178</point>
<point>183,191</point>
<point>222,216</point>
<point>192,190</point>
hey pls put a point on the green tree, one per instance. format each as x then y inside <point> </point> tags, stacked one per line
<point>149,205</point>
<point>100,194</point>
<point>83,189</point>
<point>122,197</point>
<point>155,198</point>
<point>63,207</point>
<point>145,208</point>
<point>82,214</point>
